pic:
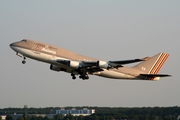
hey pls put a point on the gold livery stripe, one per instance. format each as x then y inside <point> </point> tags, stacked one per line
<point>157,63</point>
<point>163,57</point>
<point>159,67</point>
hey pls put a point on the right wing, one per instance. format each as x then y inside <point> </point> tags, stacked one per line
<point>83,68</point>
<point>97,65</point>
<point>129,61</point>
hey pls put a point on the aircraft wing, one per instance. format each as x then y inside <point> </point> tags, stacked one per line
<point>88,66</point>
<point>121,62</point>
<point>109,64</point>
<point>88,63</point>
<point>84,64</point>
<point>91,66</point>
<point>98,65</point>
<point>83,68</point>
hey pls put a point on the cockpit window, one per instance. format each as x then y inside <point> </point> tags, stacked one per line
<point>23,41</point>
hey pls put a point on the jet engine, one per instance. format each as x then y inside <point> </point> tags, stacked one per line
<point>103,64</point>
<point>56,68</point>
<point>72,64</point>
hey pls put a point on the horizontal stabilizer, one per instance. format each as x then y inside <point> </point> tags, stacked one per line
<point>155,75</point>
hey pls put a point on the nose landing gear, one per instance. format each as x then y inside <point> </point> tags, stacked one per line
<point>24,61</point>
<point>24,58</point>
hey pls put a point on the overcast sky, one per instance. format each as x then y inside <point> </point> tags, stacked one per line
<point>104,29</point>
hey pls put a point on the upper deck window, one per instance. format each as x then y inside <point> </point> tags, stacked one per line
<point>23,41</point>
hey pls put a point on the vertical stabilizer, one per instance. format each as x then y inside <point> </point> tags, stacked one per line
<point>153,65</point>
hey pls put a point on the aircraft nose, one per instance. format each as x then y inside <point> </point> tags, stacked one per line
<point>11,45</point>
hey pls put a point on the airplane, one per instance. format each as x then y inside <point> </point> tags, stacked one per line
<point>64,60</point>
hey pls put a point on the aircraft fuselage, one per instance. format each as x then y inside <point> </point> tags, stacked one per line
<point>64,60</point>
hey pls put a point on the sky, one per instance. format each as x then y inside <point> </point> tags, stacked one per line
<point>103,29</point>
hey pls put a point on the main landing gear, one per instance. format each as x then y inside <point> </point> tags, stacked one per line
<point>84,77</point>
<point>73,76</point>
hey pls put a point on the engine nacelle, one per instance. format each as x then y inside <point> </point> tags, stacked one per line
<point>55,68</point>
<point>73,64</point>
<point>68,63</point>
<point>102,64</point>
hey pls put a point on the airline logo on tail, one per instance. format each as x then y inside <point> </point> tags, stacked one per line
<point>157,65</point>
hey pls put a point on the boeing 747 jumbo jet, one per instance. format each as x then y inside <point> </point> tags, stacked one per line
<point>75,64</point>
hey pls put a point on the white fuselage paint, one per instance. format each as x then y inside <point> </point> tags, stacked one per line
<point>51,59</point>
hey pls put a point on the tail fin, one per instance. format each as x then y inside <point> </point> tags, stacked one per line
<point>152,65</point>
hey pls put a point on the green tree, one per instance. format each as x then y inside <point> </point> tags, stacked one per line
<point>170,117</point>
<point>20,118</point>
<point>58,117</point>
<point>46,118</point>
<point>69,117</point>
<point>153,117</point>
<point>95,117</point>
<point>80,117</point>
<point>9,117</point>
<point>33,118</point>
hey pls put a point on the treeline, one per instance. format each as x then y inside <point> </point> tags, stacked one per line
<point>102,113</point>
<point>56,117</point>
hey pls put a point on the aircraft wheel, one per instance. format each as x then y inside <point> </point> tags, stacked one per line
<point>74,77</point>
<point>23,62</point>
<point>87,77</point>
